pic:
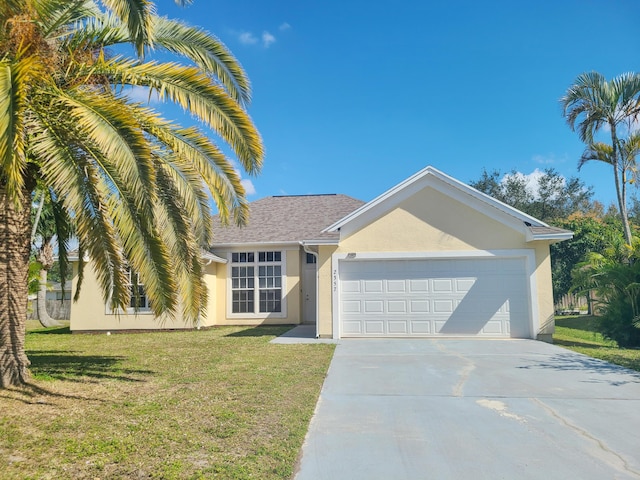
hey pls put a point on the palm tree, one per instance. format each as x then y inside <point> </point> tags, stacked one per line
<point>137,188</point>
<point>624,168</point>
<point>43,234</point>
<point>593,103</point>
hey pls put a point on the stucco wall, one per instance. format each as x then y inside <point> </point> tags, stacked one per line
<point>430,221</point>
<point>90,313</point>
<point>325,290</point>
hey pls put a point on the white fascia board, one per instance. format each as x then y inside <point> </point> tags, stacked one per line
<point>333,241</point>
<point>552,237</point>
<point>431,177</point>
<point>212,257</point>
<point>254,246</point>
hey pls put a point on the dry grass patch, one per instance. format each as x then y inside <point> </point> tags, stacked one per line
<point>222,403</point>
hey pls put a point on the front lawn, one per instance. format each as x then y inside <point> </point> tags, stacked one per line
<point>580,333</point>
<point>221,403</point>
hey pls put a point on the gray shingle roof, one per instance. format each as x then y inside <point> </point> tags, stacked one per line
<point>287,219</point>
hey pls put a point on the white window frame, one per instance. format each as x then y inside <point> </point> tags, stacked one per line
<point>256,264</point>
<point>130,310</point>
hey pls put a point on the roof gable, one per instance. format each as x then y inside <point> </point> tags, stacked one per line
<point>430,177</point>
<point>288,219</point>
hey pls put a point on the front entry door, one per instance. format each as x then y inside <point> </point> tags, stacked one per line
<point>309,288</point>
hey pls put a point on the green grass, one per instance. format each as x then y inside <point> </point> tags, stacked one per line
<point>221,403</point>
<point>580,334</point>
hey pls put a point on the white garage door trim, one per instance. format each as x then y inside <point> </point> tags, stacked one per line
<point>527,254</point>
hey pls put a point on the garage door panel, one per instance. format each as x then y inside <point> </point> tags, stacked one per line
<point>419,306</point>
<point>373,286</point>
<point>417,286</point>
<point>396,286</point>
<point>350,328</point>
<point>434,297</point>
<point>373,306</point>
<point>420,327</point>
<point>396,306</point>
<point>397,327</point>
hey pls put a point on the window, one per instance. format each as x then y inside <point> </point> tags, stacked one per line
<point>139,298</point>
<point>256,282</point>
<point>311,258</point>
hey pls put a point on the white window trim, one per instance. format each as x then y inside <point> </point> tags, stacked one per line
<point>127,311</point>
<point>283,301</point>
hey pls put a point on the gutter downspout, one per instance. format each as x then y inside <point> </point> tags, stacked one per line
<point>315,254</point>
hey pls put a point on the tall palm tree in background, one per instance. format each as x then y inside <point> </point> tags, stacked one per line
<point>625,167</point>
<point>137,188</point>
<point>591,104</point>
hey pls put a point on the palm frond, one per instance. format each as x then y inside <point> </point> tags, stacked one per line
<point>55,15</point>
<point>107,122</point>
<point>15,82</point>
<point>209,53</point>
<point>193,91</point>
<point>222,180</point>
<point>138,16</point>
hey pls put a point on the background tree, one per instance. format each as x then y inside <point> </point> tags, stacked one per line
<point>592,104</point>
<point>551,197</point>
<point>616,281</point>
<point>590,234</point>
<point>43,235</point>
<point>137,188</point>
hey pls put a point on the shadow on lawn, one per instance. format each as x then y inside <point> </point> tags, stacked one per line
<point>575,343</point>
<point>51,331</point>
<point>262,331</point>
<point>64,365</point>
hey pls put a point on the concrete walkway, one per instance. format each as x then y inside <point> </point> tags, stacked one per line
<point>301,334</point>
<point>472,409</point>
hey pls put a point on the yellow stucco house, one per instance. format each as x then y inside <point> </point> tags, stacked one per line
<point>429,257</point>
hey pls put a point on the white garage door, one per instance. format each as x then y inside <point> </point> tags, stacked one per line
<point>463,297</point>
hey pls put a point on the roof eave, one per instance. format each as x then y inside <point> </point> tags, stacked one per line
<point>550,237</point>
<point>324,241</point>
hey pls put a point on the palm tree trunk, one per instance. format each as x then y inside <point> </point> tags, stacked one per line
<point>621,190</point>
<point>14,269</point>
<point>46,259</point>
<point>43,316</point>
<point>622,205</point>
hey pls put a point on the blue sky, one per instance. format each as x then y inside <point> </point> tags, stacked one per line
<point>354,96</point>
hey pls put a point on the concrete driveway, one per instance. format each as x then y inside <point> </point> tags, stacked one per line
<point>472,409</point>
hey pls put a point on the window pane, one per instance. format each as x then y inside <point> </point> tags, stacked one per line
<point>277,257</point>
<point>242,301</point>
<point>250,257</point>
<point>234,257</point>
<point>261,256</point>
<point>270,300</point>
